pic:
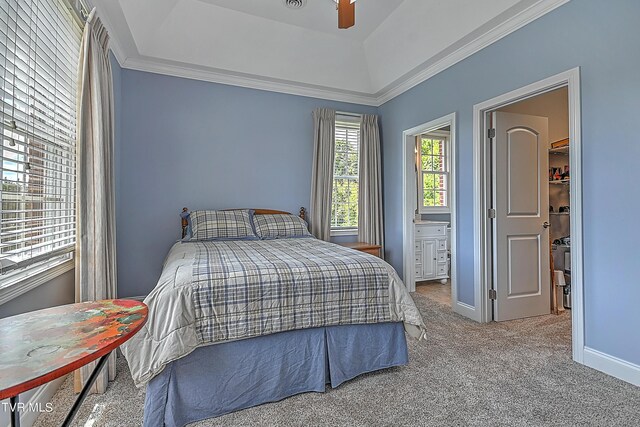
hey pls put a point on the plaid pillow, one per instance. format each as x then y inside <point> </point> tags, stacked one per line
<point>279,226</point>
<point>207,225</point>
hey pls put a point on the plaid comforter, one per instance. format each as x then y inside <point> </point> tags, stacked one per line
<point>245,289</point>
<point>218,291</point>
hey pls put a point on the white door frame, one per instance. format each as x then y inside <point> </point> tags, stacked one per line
<point>409,199</point>
<point>570,79</point>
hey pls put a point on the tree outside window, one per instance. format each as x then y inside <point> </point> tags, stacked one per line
<point>344,202</point>
<point>433,161</point>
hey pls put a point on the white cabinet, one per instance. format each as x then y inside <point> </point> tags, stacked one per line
<point>431,251</point>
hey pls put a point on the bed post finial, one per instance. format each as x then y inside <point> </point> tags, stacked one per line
<point>185,222</point>
<point>303,213</point>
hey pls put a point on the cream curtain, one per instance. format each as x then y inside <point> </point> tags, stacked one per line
<point>324,121</point>
<point>370,222</point>
<point>96,234</point>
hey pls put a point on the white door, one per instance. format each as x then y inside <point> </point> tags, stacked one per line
<point>429,253</point>
<point>521,227</point>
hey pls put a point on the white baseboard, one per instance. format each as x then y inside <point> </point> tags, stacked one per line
<point>40,398</point>
<point>466,310</point>
<point>611,365</point>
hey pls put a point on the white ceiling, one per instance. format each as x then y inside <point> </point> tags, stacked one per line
<point>263,44</point>
<point>316,15</point>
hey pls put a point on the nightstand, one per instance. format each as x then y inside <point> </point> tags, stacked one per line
<point>364,247</point>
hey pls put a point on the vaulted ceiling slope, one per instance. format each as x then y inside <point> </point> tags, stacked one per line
<point>394,45</point>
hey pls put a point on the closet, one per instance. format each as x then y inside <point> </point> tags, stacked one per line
<point>559,217</point>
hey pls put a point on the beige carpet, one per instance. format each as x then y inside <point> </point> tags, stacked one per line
<point>517,373</point>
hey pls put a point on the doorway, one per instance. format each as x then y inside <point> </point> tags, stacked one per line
<point>532,235</point>
<point>530,187</point>
<point>511,201</point>
<point>429,213</point>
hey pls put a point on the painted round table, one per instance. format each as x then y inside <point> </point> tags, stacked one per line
<point>43,345</point>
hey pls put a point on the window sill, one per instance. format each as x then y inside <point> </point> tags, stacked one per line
<point>336,232</point>
<point>14,290</point>
<point>428,211</point>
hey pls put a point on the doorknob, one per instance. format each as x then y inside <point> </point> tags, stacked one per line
<point>546,224</point>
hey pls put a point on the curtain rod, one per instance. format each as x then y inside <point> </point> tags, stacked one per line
<point>80,9</point>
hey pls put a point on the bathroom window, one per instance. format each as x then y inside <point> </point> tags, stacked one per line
<point>434,172</point>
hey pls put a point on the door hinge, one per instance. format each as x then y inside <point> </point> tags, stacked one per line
<point>491,133</point>
<point>491,213</point>
<point>493,295</point>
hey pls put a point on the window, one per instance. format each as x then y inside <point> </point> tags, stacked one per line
<point>433,163</point>
<point>344,199</point>
<point>39,52</point>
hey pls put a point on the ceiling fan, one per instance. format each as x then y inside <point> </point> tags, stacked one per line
<point>346,13</point>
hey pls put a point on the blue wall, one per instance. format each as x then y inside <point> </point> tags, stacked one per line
<point>203,145</point>
<point>602,38</point>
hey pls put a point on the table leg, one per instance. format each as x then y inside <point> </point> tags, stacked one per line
<point>15,414</point>
<point>85,390</point>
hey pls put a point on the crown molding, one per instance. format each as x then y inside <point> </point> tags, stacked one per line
<point>116,48</point>
<point>114,42</point>
<point>156,66</point>
<point>487,38</point>
<point>403,84</point>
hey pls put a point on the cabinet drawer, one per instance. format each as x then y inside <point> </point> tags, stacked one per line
<point>421,231</point>
<point>439,230</point>
<point>442,269</point>
<point>418,258</point>
<point>418,270</point>
<point>442,244</point>
<point>442,256</point>
<point>427,230</point>
<point>418,246</point>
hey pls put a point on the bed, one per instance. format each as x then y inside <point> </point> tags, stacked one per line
<point>235,323</point>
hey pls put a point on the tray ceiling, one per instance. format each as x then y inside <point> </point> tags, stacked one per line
<point>318,15</point>
<point>263,44</point>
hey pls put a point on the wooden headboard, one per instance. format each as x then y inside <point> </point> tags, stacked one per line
<point>185,223</point>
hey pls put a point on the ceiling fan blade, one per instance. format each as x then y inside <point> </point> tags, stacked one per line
<point>346,14</point>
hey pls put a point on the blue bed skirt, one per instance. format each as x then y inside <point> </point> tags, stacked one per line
<point>222,378</point>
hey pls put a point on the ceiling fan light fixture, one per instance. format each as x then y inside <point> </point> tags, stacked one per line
<point>295,4</point>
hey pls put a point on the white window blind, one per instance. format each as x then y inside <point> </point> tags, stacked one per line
<point>344,198</point>
<point>39,51</point>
